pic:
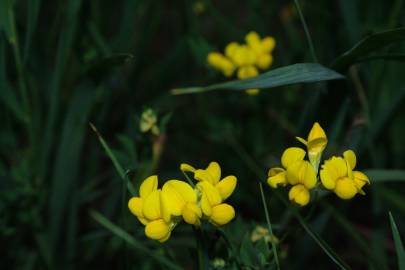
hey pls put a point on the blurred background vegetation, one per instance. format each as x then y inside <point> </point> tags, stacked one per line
<point>64,64</point>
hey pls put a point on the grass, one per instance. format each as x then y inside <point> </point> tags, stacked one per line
<point>65,64</point>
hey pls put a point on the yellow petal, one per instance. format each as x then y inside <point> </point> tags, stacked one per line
<point>302,140</point>
<point>222,214</point>
<point>291,155</point>
<point>164,239</point>
<point>192,214</point>
<point>149,185</point>
<point>264,61</point>
<point>175,194</point>
<point>151,206</point>
<point>277,176</point>
<point>338,165</point>
<point>345,188</point>
<point>360,179</point>
<point>230,49</point>
<point>316,132</point>
<point>268,44</point>
<point>205,205</point>
<point>328,179</point>
<point>157,229</point>
<point>252,38</point>
<point>186,167</point>
<point>144,221</point>
<point>215,171</point>
<point>299,194</point>
<point>301,172</point>
<point>226,186</point>
<point>135,206</point>
<point>203,175</point>
<point>248,71</point>
<point>213,196</point>
<point>350,157</point>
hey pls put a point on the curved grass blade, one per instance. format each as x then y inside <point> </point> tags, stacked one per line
<point>385,175</point>
<point>293,74</point>
<point>398,243</point>
<point>368,45</point>
<point>132,241</point>
<point>114,160</point>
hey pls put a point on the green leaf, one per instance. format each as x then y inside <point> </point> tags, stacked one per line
<point>368,45</point>
<point>117,231</point>
<point>385,175</point>
<point>7,20</point>
<point>114,160</point>
<point>398,243</point>
<point>293,74</point>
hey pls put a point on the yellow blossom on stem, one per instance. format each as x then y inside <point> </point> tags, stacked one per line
<point>221,63</point>
<point>337,175</point>
<point>147,208</point>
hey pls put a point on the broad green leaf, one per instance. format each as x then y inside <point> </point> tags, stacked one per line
<point>398,243</point>
<point>376,175</point>
<point>293,74</point>
<point>368,45</point>
<point>117,231</point>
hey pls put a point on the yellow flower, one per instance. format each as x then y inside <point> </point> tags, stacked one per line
<point>147,208</point>
<point>337,174</point>
<point>180,199</point>
<point>316,143</point>
<point>297,172</point>
<point>221,63</point>
<point>149,122</point>
<point>262,49</point>
<point>214,192</point>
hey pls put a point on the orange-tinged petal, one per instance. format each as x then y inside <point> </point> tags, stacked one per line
<point>149,185</point>
<point>226,186</point>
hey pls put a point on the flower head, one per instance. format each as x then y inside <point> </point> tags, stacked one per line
<point>337,175</point>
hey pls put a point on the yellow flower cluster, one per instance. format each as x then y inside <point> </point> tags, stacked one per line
<point>245,59</point>
<point>160,210</point>
<point>336,173</point>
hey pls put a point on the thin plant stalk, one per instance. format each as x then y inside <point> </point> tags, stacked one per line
<point>304,24</point>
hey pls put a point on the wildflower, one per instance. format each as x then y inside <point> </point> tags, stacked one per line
<point>147,208</point>
<point>337,175</point>
<point>180,199</point>
<point>214,192</point>
<point>261,232</point>
<point>246,58</point>
<point>297,172</point>
<point>315,143</point>
<point>149,122</point>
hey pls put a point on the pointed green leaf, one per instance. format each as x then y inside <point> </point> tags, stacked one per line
<point>293,74</point>
<point>398,243</point>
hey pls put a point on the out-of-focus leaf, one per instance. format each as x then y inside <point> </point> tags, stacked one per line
<point>293,74</point>
<point>376,175</point>
<point>7,20</point>
<point>368,45</point>
<point>398,243</point>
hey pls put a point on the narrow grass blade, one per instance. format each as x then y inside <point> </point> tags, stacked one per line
<point>322,244</point>
<point>293,74</point>
<point>114,160</point>
<point>117,231</point>
<point>368,45</point>
<point>266,212</point>
<point>32,18</point>
<point>377,176</point>
<point>398,243</point>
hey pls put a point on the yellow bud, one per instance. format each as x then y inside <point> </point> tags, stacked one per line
<point>226,186</point>
<point>157,230</point>
<point>222,214</point>
<point>345,188</point>
<point>299,194</point>
<point>277,176</point>
<point>252,91</point>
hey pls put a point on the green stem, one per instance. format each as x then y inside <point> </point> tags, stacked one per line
<point>266,212</point>
<point>304,24</point>
<point>200,249</point>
